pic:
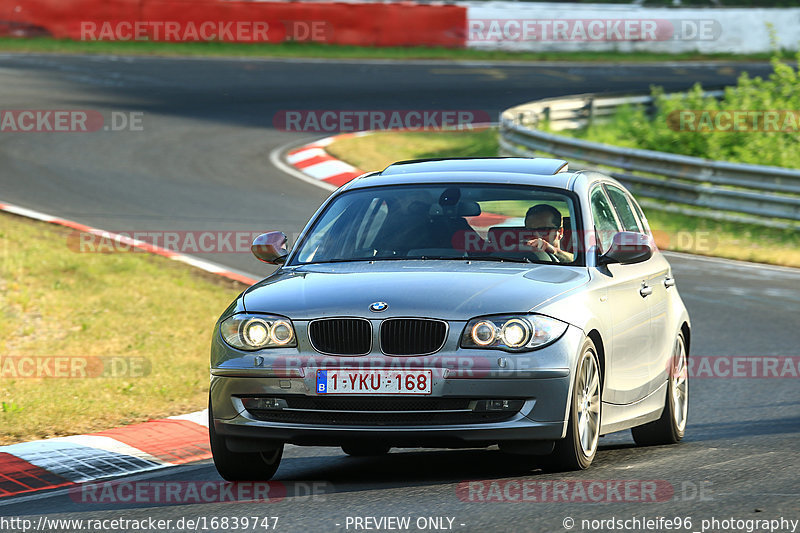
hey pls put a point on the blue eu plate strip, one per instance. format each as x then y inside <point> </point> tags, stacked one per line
<point>322,381</point>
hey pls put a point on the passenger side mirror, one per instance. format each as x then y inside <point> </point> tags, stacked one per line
<point>270,247</point>
<point>627,248</point>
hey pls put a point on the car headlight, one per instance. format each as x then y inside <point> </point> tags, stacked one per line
<point>516,333</point>
<point>254,332</point>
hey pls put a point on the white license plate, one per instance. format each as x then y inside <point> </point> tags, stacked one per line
<point>355,381</point>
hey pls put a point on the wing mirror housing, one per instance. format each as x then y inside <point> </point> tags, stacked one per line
<point>627,248</point>
<point>270,247</point>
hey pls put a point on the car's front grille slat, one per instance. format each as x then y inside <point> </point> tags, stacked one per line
<point>412,336</point>
<point>341,336</point>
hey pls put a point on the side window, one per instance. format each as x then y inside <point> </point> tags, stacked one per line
<point>642,218</point>
<point>624,209</point>
<point>604,221</point>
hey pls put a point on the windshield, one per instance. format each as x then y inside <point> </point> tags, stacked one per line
<point>445,221</point>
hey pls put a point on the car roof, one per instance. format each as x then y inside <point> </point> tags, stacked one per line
<point>517,165</point>
<point>500,170</point>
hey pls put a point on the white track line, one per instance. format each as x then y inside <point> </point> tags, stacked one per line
<point>734,262</point>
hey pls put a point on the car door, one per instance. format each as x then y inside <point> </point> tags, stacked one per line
<point>656,270</point>
<point>628,375</point>
<point>662,319</point>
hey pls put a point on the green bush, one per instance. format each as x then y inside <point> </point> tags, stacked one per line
<point>634,127</point>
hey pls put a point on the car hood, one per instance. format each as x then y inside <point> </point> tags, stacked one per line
<point>452,290</point>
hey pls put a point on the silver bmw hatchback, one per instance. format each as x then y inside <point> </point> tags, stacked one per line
<point>455,303</point>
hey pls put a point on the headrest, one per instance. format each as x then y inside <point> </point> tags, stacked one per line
<point>461,209</point>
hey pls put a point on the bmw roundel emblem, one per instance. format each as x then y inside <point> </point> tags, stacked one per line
<point>377,307</point>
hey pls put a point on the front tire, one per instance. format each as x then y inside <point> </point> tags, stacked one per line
<point>232,466</point>
<point>578,449</point>
<point>671,427</point>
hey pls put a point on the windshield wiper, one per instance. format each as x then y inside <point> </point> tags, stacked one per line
<point>436,258</point>
<point>501,259</point>
<point>493,258</point>
<point>336,261</point>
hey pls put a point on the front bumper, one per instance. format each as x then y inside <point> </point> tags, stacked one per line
<point>541,378</point>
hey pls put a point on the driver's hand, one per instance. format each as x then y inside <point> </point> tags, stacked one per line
<point>542,245</point>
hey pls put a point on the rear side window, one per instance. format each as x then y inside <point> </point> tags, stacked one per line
<point>624,209</point>
<point>604,221</point>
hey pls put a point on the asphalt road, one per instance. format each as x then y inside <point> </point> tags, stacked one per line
<point>202,163</point>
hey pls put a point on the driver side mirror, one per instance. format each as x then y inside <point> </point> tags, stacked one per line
<point>270,247</point>
<point>627,248</point>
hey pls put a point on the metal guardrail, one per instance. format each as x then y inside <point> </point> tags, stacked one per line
<point>754,194</point>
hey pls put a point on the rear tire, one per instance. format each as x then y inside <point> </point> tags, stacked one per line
<point>232,466</point>
<point>671,427</point>
<point>578,449</point>
<point>365,450</point>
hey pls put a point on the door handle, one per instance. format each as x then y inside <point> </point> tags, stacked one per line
<point>645,291</point>
<point>669,282</point>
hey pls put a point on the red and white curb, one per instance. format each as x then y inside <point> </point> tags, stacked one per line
<point>65,461</point>
<point>315,162</point>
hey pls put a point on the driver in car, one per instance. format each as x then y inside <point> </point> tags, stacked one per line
<point>546,224</point>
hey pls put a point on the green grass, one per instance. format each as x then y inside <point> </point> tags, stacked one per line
<point>745,242</point>
<point>317,50</point>
<point>56,302</point>
<point>377,151</point>
<point>672,231</point>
